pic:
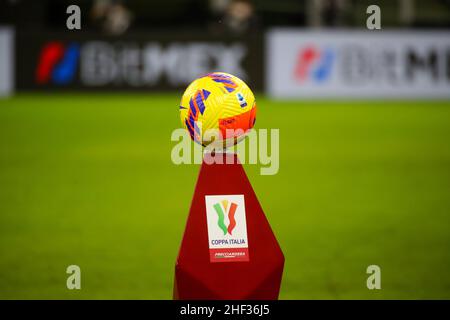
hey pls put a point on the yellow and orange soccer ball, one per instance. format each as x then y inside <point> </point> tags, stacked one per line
<point>218,101</point>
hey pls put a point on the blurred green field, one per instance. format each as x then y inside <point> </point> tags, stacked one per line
<point>88,180</point>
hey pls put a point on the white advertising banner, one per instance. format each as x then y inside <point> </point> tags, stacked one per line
<point>6,61</point>
<point>353,64</point>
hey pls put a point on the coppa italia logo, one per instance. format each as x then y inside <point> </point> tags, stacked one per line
<point>227,228</point>
<point>314,64</point>
<point>57,63</point>
<point>220,207</point>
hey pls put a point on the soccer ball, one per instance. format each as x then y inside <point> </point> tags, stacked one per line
<point>218,110</point>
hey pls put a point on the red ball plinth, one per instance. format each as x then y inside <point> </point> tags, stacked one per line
<point>255,273</point>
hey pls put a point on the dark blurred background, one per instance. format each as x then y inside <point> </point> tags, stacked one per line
<point>222,16</point>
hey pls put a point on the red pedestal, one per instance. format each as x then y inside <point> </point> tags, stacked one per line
<point>228,249</point>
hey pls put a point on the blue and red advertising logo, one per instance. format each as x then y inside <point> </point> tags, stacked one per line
<point>57,63</point>
<point>314,64</point>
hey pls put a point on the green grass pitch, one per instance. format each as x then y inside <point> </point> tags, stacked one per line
<point>88,180</point>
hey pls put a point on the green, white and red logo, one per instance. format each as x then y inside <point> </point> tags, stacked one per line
<point>222,207</point>
<point>227,228</point>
